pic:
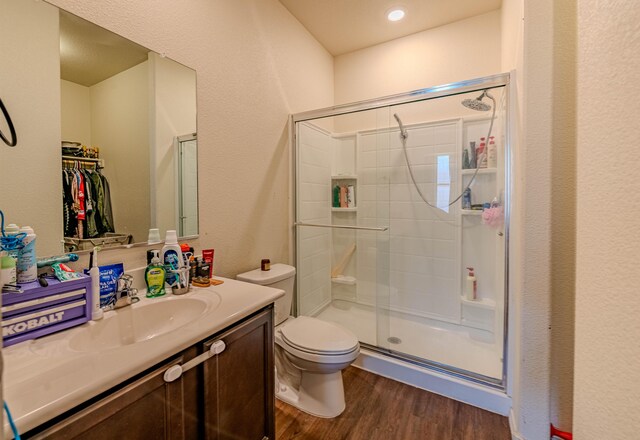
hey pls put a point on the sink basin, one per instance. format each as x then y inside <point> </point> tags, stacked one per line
<point>140,322</point>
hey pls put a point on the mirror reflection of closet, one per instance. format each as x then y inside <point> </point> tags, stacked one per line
<point>121,110</point>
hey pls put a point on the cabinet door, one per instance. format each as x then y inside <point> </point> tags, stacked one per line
<point>239,383</point>
<point>148,408</point>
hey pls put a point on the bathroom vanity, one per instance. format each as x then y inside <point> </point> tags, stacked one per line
<point>100,382</point>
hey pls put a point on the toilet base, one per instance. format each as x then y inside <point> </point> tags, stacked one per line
<point>320,394</point>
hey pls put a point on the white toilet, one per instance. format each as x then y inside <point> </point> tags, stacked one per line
<point>310,354</point>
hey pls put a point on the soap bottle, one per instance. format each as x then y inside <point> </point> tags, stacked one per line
<point>171,255</point>
<point>492,153</point>
<point>471,290</point>
<point>482,154</point>
<point>155,276</point>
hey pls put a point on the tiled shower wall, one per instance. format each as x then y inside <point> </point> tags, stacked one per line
<point>424,243</point>
<point>314,251</point>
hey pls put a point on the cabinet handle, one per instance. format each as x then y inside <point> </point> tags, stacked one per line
<point>175,371</point>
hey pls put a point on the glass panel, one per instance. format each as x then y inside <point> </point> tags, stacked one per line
<point>436,233</point>
<point>407,290</point>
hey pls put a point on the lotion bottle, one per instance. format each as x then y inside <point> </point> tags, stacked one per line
<point>94,273</point>
<point>471,290</point>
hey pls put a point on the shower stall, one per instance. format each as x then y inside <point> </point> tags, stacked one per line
<point>397,201</point>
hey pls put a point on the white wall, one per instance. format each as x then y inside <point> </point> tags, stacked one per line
<point>607,377</point>
<point>173,107</point>
<point>462,50</point>
<point>120,128</point>
<point>255,65</point>
<point>76,112</point>
<point>31,93</point>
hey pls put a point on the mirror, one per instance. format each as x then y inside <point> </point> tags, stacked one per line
<point>126,157</point>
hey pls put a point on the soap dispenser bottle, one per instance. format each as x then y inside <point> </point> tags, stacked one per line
<point>155,276</point>
<point>471,290</point>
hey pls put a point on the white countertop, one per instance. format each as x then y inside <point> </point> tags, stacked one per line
<point>45,377</point>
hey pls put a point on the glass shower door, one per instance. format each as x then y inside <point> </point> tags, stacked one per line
<point>342,223</point>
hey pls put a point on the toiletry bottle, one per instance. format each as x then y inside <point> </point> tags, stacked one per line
<point>171,255</point>
<point>482,154</point>
<point>351,196</point>
<point>492,153</point>
<point>466,164</point>
<point>336,196</point>
<point>7,269</point>
<point>474,158</point>
<point>466,199</point>
<point>94,273</point>
<point>155,277</point>
<point>471,290</point>
<point>27,263</point>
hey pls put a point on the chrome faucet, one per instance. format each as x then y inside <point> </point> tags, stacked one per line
<point>125,295</point>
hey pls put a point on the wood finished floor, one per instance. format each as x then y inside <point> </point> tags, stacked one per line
<point>379,408</point>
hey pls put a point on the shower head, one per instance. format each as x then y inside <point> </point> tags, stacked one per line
<point>477,104</point>
<point>403,133</point>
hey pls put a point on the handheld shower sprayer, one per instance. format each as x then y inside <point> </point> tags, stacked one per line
<point>403,133</point>
<point>473,104</point>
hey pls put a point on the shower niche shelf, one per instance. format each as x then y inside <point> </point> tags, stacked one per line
<point>482,303</point>
<point>475,212</point>
<point>345,180</point>
<point>465,172</point>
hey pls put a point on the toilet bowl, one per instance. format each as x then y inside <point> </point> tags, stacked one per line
<point>310,354</point>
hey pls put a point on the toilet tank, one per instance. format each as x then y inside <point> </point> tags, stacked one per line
<point>281,276</point>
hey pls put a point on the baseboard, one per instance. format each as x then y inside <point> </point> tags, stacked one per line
<point>458,389</point>
<point>513,426</point>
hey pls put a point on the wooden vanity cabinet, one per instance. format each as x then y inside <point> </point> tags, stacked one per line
<point>229,396</point>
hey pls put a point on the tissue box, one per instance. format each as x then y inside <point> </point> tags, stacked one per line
<point>40,311</point>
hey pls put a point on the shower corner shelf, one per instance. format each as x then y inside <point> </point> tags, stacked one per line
<point>482,303</point>
<point>480,171</point>
<point>344,209</point>
<point>341,279</point>
<point>471,212</point>
<point>344,177</point>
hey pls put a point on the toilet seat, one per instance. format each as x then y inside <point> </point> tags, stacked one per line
<point>317,341</point>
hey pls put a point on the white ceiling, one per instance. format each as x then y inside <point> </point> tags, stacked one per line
<point>343,26</point>
<point>90,54</point>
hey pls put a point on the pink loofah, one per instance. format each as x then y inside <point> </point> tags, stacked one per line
<point>493,217</point>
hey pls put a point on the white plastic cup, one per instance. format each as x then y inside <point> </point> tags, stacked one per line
<point>154,236</point>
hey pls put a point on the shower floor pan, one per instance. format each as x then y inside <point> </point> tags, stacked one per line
<point>460,348</point>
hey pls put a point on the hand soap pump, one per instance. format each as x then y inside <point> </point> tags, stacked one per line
<point>155,276</point>
<point>471,286</point>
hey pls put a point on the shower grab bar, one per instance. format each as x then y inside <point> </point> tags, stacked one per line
<point>362,228</point>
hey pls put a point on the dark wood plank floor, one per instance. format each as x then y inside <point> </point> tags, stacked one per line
<point>382,409</point>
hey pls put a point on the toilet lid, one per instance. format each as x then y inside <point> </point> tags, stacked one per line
<point>316,336</point>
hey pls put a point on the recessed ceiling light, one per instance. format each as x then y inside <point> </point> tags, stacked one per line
<point>395,14</point>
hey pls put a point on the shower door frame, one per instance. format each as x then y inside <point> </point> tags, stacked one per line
<point>452,89</point>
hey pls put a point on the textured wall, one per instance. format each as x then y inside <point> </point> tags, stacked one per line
<point>31,92</point>
<point>607,377</point>
<point>462,50</point>
<point>255,64</point>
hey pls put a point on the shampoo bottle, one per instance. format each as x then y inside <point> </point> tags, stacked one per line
<point>492,154</point>
<point>172,255</point>
<point>155,276</point>
<point>471,290</point>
